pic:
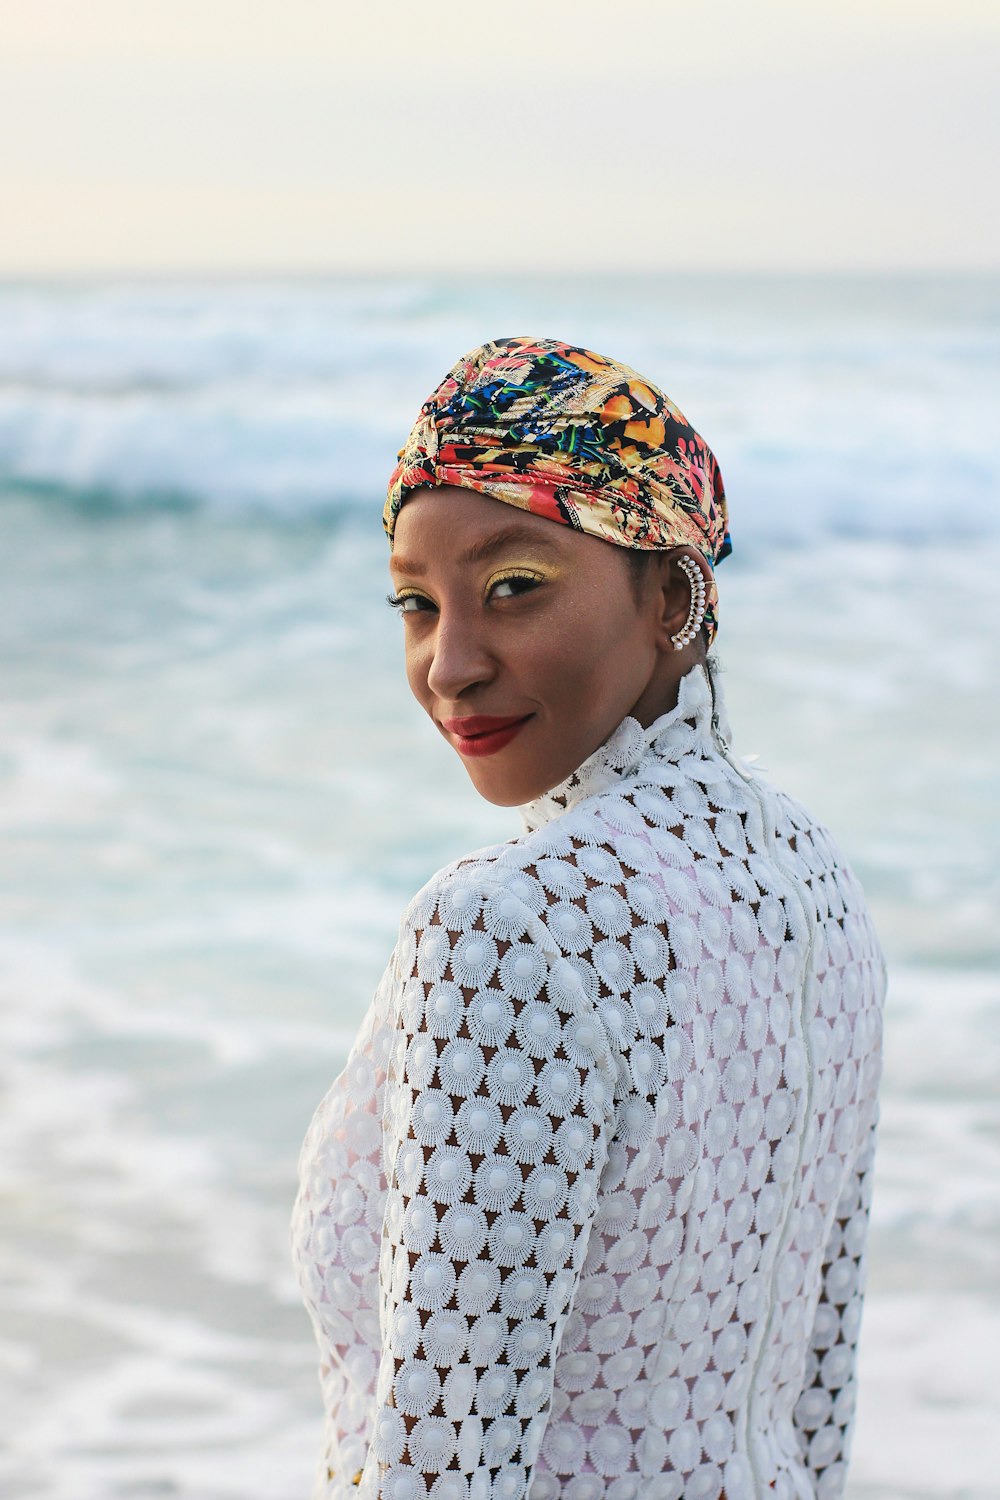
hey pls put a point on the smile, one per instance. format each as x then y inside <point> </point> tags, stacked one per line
<point>481,734</point>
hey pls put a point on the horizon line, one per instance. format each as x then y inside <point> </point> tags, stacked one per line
<point>23,275</point>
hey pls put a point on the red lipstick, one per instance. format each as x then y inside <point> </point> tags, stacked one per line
<point>484,734</point>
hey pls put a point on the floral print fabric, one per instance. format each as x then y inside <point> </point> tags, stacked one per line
<point>565,433</point>
<point>585,1215</point>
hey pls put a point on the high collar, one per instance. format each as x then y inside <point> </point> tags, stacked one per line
<point>691,726</point>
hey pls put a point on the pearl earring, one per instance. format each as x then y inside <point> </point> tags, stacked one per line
<point>696,613</point>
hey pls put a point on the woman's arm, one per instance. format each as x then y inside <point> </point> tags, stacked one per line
<point>498,1118</point>
<point>824,1414</point>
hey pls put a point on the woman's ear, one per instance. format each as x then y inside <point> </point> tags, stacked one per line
<point>672,599</point>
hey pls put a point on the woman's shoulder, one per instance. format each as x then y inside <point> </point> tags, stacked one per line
<point>530,867</point>
<point>458,890</point>
<point>486,923</point>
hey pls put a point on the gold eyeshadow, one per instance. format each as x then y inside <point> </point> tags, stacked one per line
<point>533,573</point>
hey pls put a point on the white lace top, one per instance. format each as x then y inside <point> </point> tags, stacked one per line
<point>585,1213</point>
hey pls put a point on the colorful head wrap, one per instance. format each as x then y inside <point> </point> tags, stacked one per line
<point>565,433</point>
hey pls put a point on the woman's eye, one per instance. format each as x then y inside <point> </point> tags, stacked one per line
<point>510,586</point>
<point>407,604</point>
<point>514,584</point>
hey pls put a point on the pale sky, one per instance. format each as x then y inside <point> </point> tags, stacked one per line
<point>293,135</point>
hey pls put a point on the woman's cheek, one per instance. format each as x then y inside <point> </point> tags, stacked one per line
<point>417,664</point>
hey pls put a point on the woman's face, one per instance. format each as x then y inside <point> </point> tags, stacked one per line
<point>512,617</point>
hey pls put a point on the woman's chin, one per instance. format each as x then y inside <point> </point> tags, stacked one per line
<point>505,786</point>
<point>497,791</point>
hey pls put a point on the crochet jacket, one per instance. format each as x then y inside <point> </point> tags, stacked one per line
<point>585,1214</point>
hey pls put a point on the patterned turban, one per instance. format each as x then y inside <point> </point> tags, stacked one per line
<point>571,435</point>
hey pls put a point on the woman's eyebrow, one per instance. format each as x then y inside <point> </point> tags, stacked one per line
<point>488,547</point>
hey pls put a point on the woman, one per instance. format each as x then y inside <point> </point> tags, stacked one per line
<point>585,1214</point>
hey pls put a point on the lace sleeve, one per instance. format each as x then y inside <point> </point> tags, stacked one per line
<point>497,1122</point>
<point>824,1414</point>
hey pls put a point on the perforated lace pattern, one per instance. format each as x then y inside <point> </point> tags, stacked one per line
<point>585,1214</point>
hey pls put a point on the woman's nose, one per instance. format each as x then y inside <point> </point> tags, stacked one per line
<point>460,656</point>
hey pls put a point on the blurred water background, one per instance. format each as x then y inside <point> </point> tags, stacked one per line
<point>216,795</point>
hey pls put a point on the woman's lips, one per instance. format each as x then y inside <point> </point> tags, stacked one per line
<point>483,734</point>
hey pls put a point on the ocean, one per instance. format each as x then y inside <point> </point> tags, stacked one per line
<point>216,796</point>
